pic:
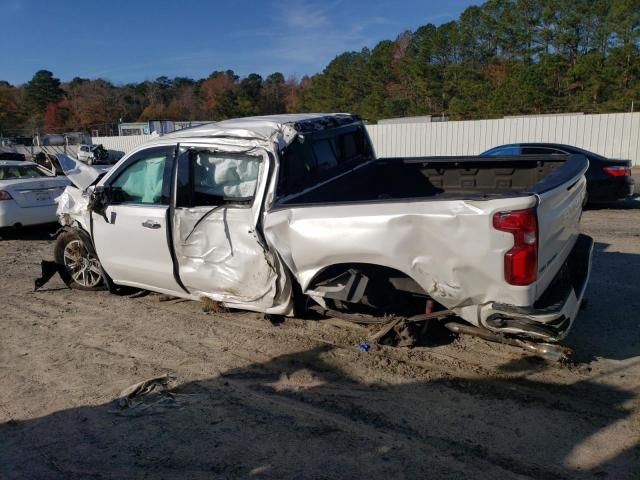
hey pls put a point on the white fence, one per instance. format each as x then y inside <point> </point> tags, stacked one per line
<point>122,144</point>
<point>30,152</point>
<point>615,135</point>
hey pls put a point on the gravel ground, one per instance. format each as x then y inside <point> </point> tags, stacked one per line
<point>297,399</point>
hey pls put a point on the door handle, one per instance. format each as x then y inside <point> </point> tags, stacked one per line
<point>151,224</point>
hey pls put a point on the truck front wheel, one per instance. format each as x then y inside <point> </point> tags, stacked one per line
<point>82,269</point>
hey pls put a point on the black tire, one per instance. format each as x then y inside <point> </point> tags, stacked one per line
<point>82,270</point>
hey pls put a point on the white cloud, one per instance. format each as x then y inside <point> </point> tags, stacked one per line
<point>303,18</point>
<point>310,34</point>
<point>13,6</point>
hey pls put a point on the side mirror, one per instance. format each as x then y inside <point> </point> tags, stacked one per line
<point>100,200</point>
<point>103,196</point>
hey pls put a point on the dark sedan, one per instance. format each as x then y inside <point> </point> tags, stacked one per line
<point>607,179</point>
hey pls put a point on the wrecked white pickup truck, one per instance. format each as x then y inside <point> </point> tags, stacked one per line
<point>265,213</point>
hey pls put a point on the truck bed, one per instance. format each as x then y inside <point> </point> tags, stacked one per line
<point>474,178</point>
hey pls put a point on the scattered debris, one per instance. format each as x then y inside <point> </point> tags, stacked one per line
<point>147,397</point>
<point>382,332</point>
<point>166,298</point>
<point>405,332</point>
<point>363,346</point>
<point>551,351</point>
<point>129,397</point>
<point>212,306</point>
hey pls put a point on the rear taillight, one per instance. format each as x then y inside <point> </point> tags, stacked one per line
<point>618,171</point>
<point>4,195</point>
<point>521,262</point>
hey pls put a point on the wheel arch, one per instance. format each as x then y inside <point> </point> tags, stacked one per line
<point>88,241</point>
<point>77,228</point>
<point>375,274</point>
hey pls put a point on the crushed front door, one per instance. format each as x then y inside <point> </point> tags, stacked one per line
<point>217,200</point>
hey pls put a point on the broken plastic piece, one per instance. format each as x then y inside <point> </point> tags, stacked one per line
<point>151,396</point>
<point>80,174</point>
<point>363,346</point>
<point>130,396</point>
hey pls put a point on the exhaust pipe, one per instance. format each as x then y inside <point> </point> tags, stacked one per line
<point>549,351</point>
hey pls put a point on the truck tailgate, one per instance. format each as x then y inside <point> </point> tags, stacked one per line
<point>559,211</point>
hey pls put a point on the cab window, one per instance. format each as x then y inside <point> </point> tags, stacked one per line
<point>209,178</point>
<point>142,179</point>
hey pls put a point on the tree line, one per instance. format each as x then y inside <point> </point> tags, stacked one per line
<point>500,58</point>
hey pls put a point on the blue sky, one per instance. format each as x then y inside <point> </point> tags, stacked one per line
<point>131,41</point>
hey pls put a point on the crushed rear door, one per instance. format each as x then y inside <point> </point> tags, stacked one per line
<point>219,250</point>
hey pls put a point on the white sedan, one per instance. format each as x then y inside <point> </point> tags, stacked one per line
<point>27,194</point>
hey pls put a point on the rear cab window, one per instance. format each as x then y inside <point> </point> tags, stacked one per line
<point>320,157</point>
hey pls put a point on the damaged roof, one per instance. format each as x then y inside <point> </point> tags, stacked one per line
<point>279,128</point>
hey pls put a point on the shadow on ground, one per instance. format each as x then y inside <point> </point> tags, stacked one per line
<point>630,203</point>
<point>35,232</point>
<point>298,416</point>
<point>609,326</point>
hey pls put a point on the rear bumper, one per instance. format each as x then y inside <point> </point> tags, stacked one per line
<point>12,214</point>
<point>551,316</point>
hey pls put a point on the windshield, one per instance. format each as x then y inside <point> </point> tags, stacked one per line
<point>18,172</point>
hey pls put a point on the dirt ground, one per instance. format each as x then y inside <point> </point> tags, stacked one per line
<point>253,399</point>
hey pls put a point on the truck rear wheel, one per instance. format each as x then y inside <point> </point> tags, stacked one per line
<point>82,268</point>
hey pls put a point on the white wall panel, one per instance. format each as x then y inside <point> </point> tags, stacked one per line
<point>615,135</point>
